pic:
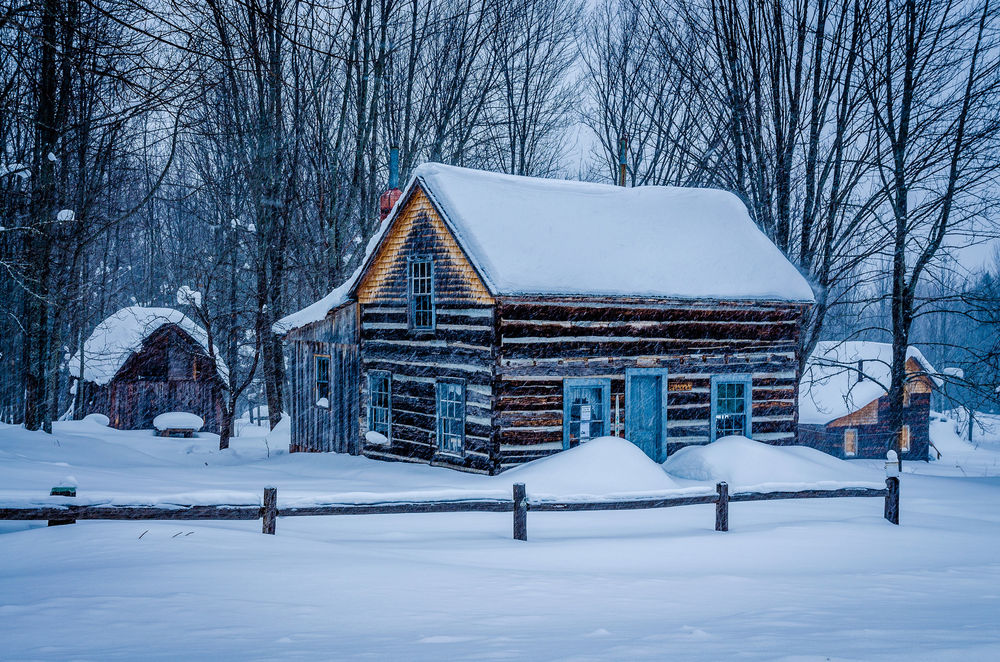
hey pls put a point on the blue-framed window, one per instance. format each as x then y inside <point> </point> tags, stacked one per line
<point>586,410</point>
<point>380,402</point>
<point>420,293</point>
<point>451,415</point>
<point>732,410</point>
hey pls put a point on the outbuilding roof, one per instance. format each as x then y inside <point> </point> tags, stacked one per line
<point>830,388</point>
<point>121,335</point>
<point>528,236</point>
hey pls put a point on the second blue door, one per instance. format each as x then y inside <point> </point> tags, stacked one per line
<point>645,410</point>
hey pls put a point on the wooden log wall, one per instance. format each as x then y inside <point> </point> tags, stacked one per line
<point>335,427</point>
<point>461,346</point>
<point>541,342</point>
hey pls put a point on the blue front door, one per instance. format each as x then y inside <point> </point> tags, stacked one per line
<point>645,410</point>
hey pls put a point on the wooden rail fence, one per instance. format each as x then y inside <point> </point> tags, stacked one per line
<point>519,505</point>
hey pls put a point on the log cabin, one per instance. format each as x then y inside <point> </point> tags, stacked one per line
<point>141,362</point>
<point>844,402</point>
<point>497,319</point>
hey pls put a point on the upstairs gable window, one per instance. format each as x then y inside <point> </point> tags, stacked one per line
<point>420,290</point>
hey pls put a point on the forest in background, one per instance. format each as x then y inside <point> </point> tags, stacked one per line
<point>238,148</point>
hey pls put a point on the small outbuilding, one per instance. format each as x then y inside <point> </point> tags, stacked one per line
<point>844,402</point>
<point>142,362</point>
<point>497,319</point>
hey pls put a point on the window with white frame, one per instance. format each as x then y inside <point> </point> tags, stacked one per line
<point>380,402</point>
<point>731,412</point>
<point>451,416</point>
<point>420,286</point>
<point>850,442</point>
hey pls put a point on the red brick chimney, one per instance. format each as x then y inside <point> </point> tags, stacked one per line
<point>388,199</point>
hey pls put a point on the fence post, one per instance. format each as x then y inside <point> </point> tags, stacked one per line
<point>520,513</point>
<point>269,512</point>
<point>892,499</point>
<point>68,491</point>
<point>722,507</point>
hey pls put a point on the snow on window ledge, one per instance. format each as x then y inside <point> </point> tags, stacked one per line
<point>323,402</point>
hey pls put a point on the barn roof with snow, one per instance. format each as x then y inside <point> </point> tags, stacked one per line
<point>527,236</point>
<point>122,334</point>
<point>830,386</point>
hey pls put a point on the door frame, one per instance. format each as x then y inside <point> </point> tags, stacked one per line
<point>663,375</point>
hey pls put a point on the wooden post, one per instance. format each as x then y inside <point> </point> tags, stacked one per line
<point>892,499</point>
<point>520,513</point>
<point>269,512</point>
<point>63,492</point>
<point>722,507</point>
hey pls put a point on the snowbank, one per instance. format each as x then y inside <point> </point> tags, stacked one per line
<point>178,420</point>
<point>600,468</point>
<point>98,419</point>
<point>751,465</point>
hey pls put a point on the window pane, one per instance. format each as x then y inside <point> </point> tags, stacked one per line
<point>322,376</point>
<point>379,413</point>
<point>421,294</point>
<point>586,413</point>
<point>730,408</point>
<point>451,416</point>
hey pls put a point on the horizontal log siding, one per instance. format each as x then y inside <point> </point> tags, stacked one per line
<point>461,347</point>
<point>542,342</point>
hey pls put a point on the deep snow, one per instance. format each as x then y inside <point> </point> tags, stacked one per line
<point>799,580</point>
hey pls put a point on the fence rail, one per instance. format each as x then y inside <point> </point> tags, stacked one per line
<point>519,505</point>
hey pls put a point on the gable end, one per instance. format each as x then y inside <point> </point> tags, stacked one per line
<point>419,230</point>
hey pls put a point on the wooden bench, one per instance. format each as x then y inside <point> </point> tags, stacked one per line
<point>186,433</point>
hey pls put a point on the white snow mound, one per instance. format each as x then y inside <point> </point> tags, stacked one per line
<point>606,466</point>
<point>98,419</point>
<point>744,463</point>
<point>178,420</point>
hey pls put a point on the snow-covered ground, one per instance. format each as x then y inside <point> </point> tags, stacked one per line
<point>795,580</point>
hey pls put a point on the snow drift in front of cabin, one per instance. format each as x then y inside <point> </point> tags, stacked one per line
<point>751,465</point>
<point>599,468</point>
<point>119,336</point>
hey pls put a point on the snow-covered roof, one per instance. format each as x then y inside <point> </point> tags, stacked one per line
<point>529,236</point>
<point>830,388</point>
<point>532,236</point>
<point>119,336</point>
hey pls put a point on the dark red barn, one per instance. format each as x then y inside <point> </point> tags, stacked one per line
<point>141,362</point>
